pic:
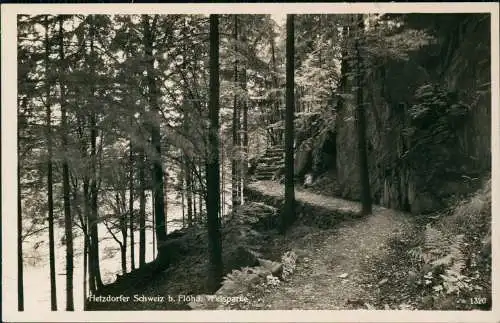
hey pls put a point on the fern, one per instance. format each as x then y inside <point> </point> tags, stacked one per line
<point>440,251</point>
<point>457,254</point>
<point>435,244</point>
<point>288,260</point>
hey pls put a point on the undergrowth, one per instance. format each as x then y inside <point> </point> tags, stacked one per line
<point>446,263</point>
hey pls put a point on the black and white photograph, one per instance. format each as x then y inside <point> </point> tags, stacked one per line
<point>259,161</point>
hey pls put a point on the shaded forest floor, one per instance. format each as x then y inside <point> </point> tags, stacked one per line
<point>334,266</point>
<point>343,261</point>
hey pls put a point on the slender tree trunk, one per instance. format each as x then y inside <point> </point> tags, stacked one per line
<point>142,208</point>
<point>153,220</point>
<point>195,212</point>
<point>84,220</point>
<point>88,242</point>
<point>20,267</point>
<point>159,210</point>
<point>50,198</point>
<point>289,208</point>
<point>366,201</point>
<point>223,180</point>
<point>189,195</point>
<point>85,269</point>
<point>165,194</point>
<point>213,167</point>
<point>244,127</point>
<point>83,225</point>
<point>131,206</point>
<point>94,247</point>
<point>120,213</point>
<point>235,178</point>
<point>277,115</point>
<point>244,156</point>
<point>77,210</point>
<point>123,229</point>
<point>68,219</point>
<point>200,195</point>
<point>182,196</point>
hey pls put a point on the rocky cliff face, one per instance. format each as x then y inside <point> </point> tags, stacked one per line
<point>459,63</point>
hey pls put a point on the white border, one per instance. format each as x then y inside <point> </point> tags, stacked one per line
<point>9,163</point>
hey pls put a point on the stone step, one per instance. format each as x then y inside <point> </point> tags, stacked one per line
<point>263,177</point>
<point>275,150</point>
<point>268,168</point>
<point>271,158</point>
<point>266,171</point>
<point>275,161</point>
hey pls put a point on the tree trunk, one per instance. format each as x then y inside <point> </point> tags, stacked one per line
<point>276,114</point>
<point>68,219</point>
<point>159,210</point>
<point>213,167</point>
<point>244,156</point>
<point>83,225</point>
<point>200,195</point>
<point>94,235</point>
<point>94,247</point>
<point>289,208</point>
<point>189,195</point>
<point>165,194</point>
<point>182,196</point>
<point>86,212</point>
<point>20,267</point>
<point>223,180</point>
<point>244,127</point>
<point>85,270</point>
<point>153,220</point>
<point>195,212</point>
<point>77,210</point>
<point>366,201</point>
<point>142,207</point>
<point>50,197</point>
<point>123,229</point>
<point>235,174</point>
<point>131,206</point>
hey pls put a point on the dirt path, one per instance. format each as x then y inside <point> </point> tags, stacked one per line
<point>326,256</point>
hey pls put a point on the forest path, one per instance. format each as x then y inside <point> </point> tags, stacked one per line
<point>335,264</point>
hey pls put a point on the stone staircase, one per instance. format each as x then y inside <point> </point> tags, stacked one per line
<point>270,164</point>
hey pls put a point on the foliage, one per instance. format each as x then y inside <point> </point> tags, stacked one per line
<point>240,281</point>
<point>288,259</point>
<point>272,281</point>
<point>436,118</point>
<point>451,257</point>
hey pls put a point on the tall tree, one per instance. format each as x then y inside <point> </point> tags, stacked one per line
<point>243,133</point>
<point>235,172</point>
<point>276,114</point>
<point>189,193</point>
<point>93,220</point>
<point>244,155</point>
<point>50,197</point>
<point>366,201</point>
<point>213,166</point>
<point>142,207</point>
<point>20,269</point>
<point>68,219</point>
<point>288,214</point>
<point>131,205</point>
<point>153,96</point>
